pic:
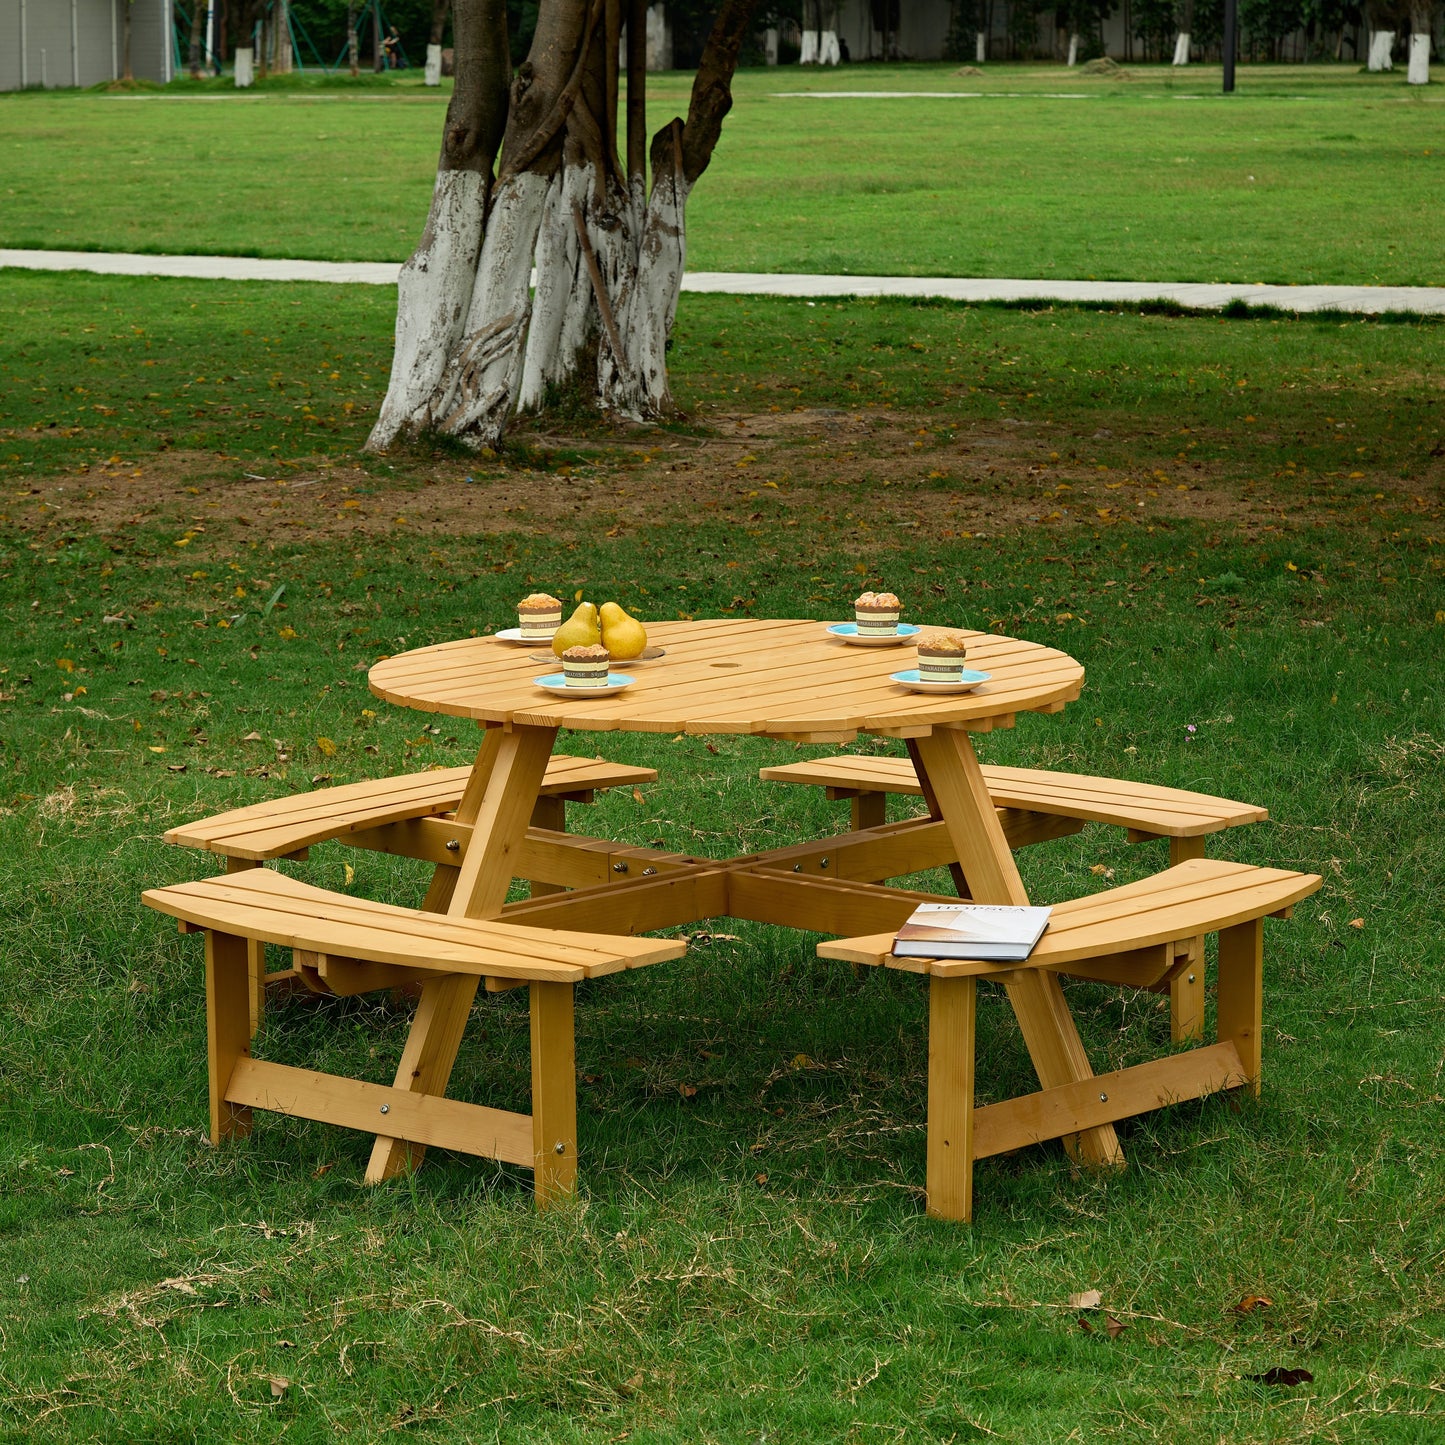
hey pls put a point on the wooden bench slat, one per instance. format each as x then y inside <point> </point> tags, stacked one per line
<point>278,909</point>
<point>1200,896</point>
<point>1144,807</point>
<point>280,826</point>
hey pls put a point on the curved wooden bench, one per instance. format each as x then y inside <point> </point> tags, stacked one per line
<point>287,827</point>
<point>367,815</point>
<point>1124,936</point>
<point>1036,804</point>
<point>353,945</point>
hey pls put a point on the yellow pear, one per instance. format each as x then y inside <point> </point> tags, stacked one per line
<point>622,636</point>
<point>581,629</point>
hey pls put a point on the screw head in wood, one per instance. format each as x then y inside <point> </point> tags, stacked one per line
<point>797,867</point>
<point>619,867</point>
<point>1103,1098</point>
<point>649,872</point>
<point>559,1147</point>
<point>822,862</point>
<point>454,845</point>
<point>1191,978</point>
<point>386,1108</point>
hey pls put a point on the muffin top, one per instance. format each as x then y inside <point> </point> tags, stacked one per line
<point>593,652</point>
<point>941,642</point>
<point>877,599</point>
<point>536,601</point>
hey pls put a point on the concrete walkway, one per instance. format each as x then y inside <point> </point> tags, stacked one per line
<point>1368,300</point>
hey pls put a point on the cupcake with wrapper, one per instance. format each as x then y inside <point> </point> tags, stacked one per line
<point>876,614</point>
<point>586,666</point>
<point>538,617</point>
<point>940,658</point>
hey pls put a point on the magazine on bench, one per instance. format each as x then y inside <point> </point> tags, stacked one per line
<point>992,933</point>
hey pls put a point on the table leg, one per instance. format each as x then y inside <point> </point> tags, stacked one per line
<point>507,774</point>
<point>957,787</point>
<point>548,813</point>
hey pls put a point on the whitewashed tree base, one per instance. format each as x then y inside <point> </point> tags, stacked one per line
<point>1073,50</point>
<point>1181,48</point>
<point>809,53</point>
<point>1382,44</point>
<point>433,65</point>
<point>980,49</point>
<point>245,67</point>
<point>1419,72</point>
<point>433,295</point>
<point>828,49</point>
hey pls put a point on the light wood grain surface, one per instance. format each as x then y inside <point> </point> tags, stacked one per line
<point>734,675</point>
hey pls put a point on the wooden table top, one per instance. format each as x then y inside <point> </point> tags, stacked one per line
<point>779,678</point>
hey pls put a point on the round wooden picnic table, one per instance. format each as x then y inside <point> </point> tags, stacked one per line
<point>779,678</point>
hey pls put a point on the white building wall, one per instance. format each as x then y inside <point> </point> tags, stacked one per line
<point>78,42</point>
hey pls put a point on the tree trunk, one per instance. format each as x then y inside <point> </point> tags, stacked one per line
<point>980,47</point>
<point>126,73</point>
<point>353,46</point>
<point>1382,44</point>
<point>439,12</point>
<point>473,343</point>
<point>244,15</point>
<point>1181,48</point>
<point>198,21</point>
<point>1073,49</point>
<point>284,61</point>
<point>1422,23</point>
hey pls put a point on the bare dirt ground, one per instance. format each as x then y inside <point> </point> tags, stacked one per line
<point>866,472</point>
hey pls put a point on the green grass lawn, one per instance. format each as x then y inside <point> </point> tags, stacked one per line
<point>1238,525</point>
<point>1307,174</point>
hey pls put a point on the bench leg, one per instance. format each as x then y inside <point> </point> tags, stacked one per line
<point>255,955</point>
<point>1240,993</point>
<point>228,1029</point>
<point>554,1093</point>
<point>548,813</point>
<point>1186,989</point>
<point>870,810</point>
<point>951,1004</point>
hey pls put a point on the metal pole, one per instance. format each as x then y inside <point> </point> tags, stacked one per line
<point>74,47</point>
<point>24,49</point>
<point>1231,25</point>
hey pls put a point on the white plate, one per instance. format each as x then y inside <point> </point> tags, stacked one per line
<point>848,631</point>
<point>556,682</point>
<point>512,636</point>
<point>648,654</point>
<point>914,683</point>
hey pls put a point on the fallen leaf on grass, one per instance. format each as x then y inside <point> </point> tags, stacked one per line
<point>279,1385</point>
<point>252,738</point>
<point>1089,1299</point>
<point>637,796</point>
<point>1085,1326</point>
<point>1252,1302</point>
<point>688,1091</point>
<point>1280,1376</point>
<point>1114,1328</point>
<point>1100,871</point>
<point>1357,923</point>
<point>326,747</point>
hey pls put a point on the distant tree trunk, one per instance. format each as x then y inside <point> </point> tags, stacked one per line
<point>1422,23</point>
<point>244,14</point>
<point>473,343</point>
<point>283,62</point>
<point>829,52</point>
<point>198,23</point>
<point>808,55</point>
<point>439,11</point>
<point>1073,49</point>
<point>126,74</point>
<point>353,47</point>
<point>1181,48</point>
